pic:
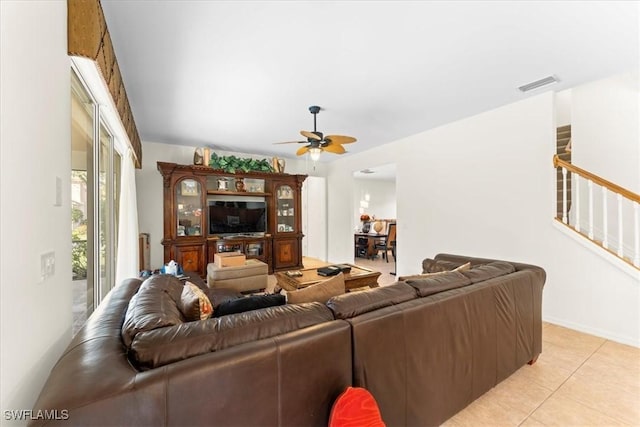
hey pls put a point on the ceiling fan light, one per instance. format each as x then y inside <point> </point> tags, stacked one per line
<point>314,153</point>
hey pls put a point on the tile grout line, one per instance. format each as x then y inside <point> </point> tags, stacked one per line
<point>553,392</point>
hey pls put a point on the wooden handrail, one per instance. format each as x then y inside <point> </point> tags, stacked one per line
<point>595,178</point>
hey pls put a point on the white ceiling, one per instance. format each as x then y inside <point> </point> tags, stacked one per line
<point>379,173</point>
<point>241,75</point>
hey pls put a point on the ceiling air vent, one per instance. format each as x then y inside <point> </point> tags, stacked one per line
<point>538,83</point>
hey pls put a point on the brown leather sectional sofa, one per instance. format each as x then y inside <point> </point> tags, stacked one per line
<point>425,348</point>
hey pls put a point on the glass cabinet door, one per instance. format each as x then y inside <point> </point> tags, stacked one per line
<point>254,249</point>
<point>285,210</point>
<point>228,247</point>
<point>189,208</point>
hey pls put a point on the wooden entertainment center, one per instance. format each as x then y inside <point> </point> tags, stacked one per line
<point>190,191</point>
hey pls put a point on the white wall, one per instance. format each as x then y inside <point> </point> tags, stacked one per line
<point>563,108</point>
<point>606,141</point>
<point>605,128</point>
<point>484,186</point>
<point>382,198</point>
<point>150,192</point>
<point>35,148</point>
<point>314,217</point>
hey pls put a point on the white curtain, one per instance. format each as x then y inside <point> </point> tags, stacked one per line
<point>127,256</point>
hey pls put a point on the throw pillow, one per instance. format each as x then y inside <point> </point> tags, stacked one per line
<point>435,266</point>
<point>194,303</point>
<point>355,407</point>
<point>253,302</point>
<point>462,267</point>
<point>320,292</point>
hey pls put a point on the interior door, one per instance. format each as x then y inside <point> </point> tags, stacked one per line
<point>314,217</point>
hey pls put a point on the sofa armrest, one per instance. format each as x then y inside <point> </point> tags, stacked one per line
<point>461,259</point>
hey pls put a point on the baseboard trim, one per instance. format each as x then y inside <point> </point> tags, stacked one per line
<point>608,335</point>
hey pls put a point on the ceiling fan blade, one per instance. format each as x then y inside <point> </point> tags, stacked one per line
<point>340,139</point>
<point>334,148</point>
<point>291,142</point>
<point>310,135</point>
<point>302,150</point>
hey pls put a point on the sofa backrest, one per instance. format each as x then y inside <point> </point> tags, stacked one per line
<point>155,332</point>
<point>458,260</point>
<point>98,385</point>
<point>353,304</point>
<point>169,344</point>
<point>154,306</point>
<point>427,358</point>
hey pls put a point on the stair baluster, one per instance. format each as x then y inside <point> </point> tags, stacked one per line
<point>636,224</point>
<point>564,195</point>
<point>620,240</point>
<point>605,219</point>
<point>577,205</point>
<point>590,186</point>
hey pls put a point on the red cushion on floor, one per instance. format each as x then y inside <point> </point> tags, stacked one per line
<point>355,407</point>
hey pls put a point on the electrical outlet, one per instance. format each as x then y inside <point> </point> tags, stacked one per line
<point>47,265</point>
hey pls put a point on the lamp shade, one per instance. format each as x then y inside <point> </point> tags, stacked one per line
<point>314,153</point>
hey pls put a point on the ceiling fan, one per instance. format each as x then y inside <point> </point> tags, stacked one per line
<point>317,142</point>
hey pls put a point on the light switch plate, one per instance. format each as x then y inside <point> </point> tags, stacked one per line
<point>47,265</point>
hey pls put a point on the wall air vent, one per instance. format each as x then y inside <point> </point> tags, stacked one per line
<point>367,171</point>
<point>539,83</point>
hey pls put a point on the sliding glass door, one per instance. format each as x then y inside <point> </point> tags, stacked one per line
<point>95,181</point>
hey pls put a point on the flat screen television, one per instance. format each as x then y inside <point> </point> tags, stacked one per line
<point>237,217</point>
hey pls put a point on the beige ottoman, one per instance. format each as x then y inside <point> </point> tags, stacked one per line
<point>251,276</point>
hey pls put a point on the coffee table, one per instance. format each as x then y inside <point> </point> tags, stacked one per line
<point>358,277</point>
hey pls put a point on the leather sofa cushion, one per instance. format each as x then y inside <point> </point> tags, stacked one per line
<point>439,283</point>
<point>489,271</point>
<point>162,346</point>
<point>154,306</point>
<point>356,303</point>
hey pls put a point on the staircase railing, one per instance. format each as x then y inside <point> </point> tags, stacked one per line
<point>597,224</point>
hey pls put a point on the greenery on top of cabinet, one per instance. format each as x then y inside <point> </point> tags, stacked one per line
<point>233,164</point>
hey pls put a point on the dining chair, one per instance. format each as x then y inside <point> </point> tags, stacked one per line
<point>385,244</point>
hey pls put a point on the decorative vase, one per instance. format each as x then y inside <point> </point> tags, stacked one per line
<point>198,159</point>
<point>240,184</point>
<point>223,184</point>
<point>206,156</point>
